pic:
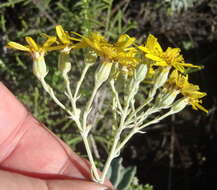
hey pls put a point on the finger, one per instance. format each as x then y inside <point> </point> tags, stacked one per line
<point>15,181</point>
<point>28,147</point>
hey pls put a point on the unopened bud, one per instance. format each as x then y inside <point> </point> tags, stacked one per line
<point>64,64</point>
<point>161,76</point>
<point>141,72</point>
<point>139,76</point>
<point>90,57</point>
<point>166,98</point>
<point>102,73</point>
<point>179,105</point>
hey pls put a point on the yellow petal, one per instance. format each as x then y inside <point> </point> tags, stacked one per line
<point>125,41</point>
<point>77,34</point>
<point>18,46</point>
<point>32,43</point>
<point>202,108</point>
<point>153,57</point>
<point>143,48</point>
<point>53,48</point>
<point>173,52</point>
<point>49,41</point>
<point>153,45</point>
<point>62,35</point>
<point>174,76</point>
<point>81,45</point>
<point>197,106</point>
<point>179,67</point>
<point>191,65</point>
<point>75,39</point>
<point>44,35</point>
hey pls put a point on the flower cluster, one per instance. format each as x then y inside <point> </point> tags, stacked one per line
<point>125,64</point>
<point>125,55</point>
<point>180,83</point>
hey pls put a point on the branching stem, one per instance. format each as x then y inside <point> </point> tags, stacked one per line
<point>137,129</point>
<point>50,91</point>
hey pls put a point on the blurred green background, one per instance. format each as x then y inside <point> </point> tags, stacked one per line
<point>180,152</point>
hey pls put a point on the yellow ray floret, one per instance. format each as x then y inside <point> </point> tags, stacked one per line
<point>64,36</point>
<point>35,49</point>
<point>180,82</point>
<point>124,41</point>
<point>95,42</point>
<point>170,57</point>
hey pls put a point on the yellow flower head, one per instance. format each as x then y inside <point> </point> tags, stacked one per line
<point>180,82</point>
<point>36,51</point>
<point>126,54</point>
<point>119,52</point>
<point>93,41</point>
<point>170,57</point>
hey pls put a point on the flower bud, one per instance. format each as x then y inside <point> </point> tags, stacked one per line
<point>102,73</point>
<point>64,64</point>
<point>90,57</point>
<point>161,76</point>
<point>179,105</point>
<point>141,72</point>
<point>39,67</point>
<point>166,98</point>
<point>139,76</point>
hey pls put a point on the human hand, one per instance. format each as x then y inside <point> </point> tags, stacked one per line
<point>32,157</point>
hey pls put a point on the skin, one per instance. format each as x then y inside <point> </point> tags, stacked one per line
<point>32,157</point>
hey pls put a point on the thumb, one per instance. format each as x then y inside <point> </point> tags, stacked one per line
<point>14,181</point>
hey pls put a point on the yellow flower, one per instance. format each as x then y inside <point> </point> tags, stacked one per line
<point>35,50</point>
<point>180,82</point>
<point>120,52</point>
<point>94,41</point>
<point>65,39</point>
<point>170,57</point>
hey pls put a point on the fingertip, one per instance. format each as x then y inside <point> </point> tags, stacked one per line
<point>75,185</point>
<point>11,180</point>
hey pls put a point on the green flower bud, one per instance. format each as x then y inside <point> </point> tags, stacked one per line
<point>161,76</point>
<point>102,73</point>
<point>179,105</point>
<point>141,72</point>
<point>90,57</point>
<point>166,98</point>
<point>139,76</point>
<point>64,64</point>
